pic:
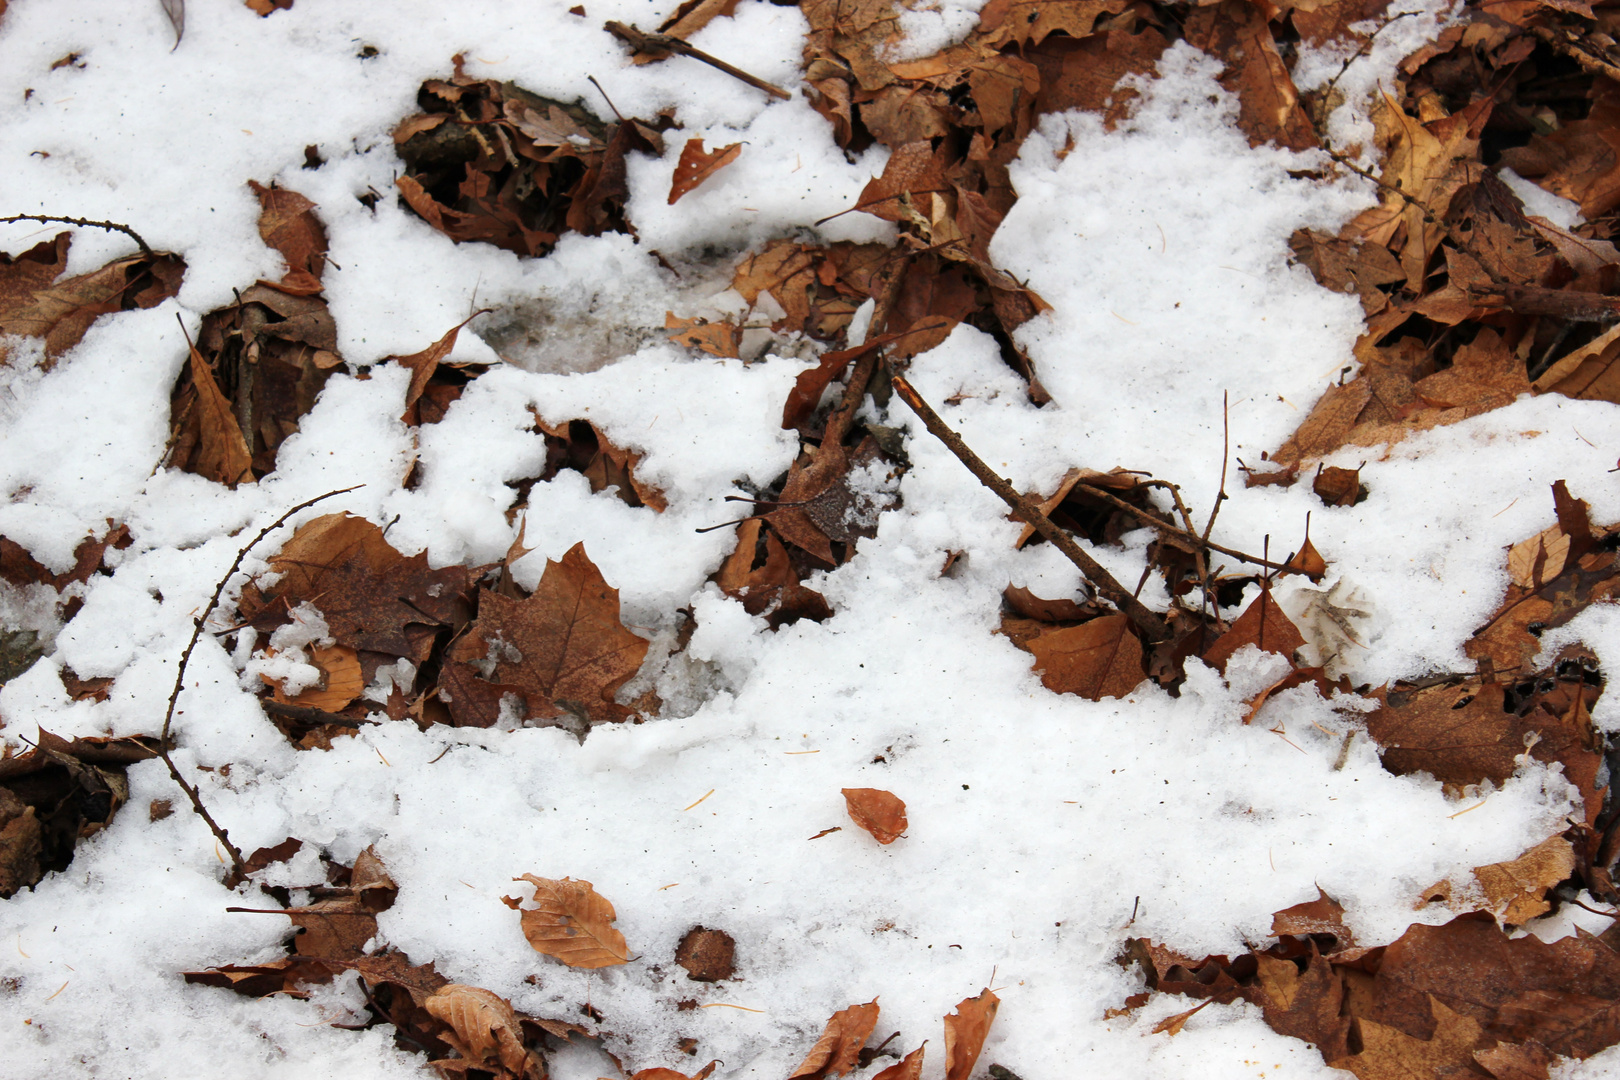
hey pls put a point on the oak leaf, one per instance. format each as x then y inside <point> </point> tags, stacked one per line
<point>1388,1053</point>
<point>1028,22</point>
<point>965,1032</point>
<point>574,923</point>
<point>879,812</point>
<point>571,651</point>
<point>838,1050</point>
<point>482,1026</point>
<point>697,165</point>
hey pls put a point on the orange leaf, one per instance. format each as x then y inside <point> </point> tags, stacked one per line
<point>879,812</point>
<point>908,1068</point>
<point>715,338</point>
<point>573,923</point>
<point>965,1031</point>
<point>697,165</point>
<point>483,1025</point>
<point>839,1047</point>
<point>671,1074</point>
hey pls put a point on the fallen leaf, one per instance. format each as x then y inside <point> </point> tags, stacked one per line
<point>1097,659</point>
<point>565,648</point>
<point>288,223</point>
<point>907,1068</point>
<point>879,812</point>
<point>839,1047</point>
<point>483,1024</point>
<point>965,1032</point>
<point>341,680</point>
<point>1238,35</point>
<point>697,165</point>
<point>1515,891</point>
<point>573,923</point>
<point>424,364</point>
<point>1263,624</point>
<point>721,338</point>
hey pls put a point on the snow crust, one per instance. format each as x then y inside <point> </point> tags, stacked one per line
<point>1044,829</point>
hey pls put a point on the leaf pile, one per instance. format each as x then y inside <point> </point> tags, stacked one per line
<point>1470,299</point>
<point>559,654</point>
<point>491,162</point>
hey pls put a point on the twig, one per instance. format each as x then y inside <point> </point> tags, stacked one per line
<point>1159,523</point>
<point>1367,174</point>
<point>1226,447</point>
<point>1152,627</point>
<point>1591,64</point>
<point>309,716</point>
<point>1366,47</point>
<point>605,97</point>
<point>110,226</point>
<point>191,791</point>
<point>655,44</point>
<point>839,420</point>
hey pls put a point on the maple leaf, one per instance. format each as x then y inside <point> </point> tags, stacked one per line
<point>572,652</point>
<point>965,1032</point>
<point>697,165</point>
<point>573,923</point>
<point>839,1047</point>
<point>879,812</point>
<point>484,1027</point>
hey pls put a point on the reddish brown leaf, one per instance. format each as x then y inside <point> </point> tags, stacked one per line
<point>287,222</point>
<point>965,1032</point>
<point>222,454</point>
<point>1097,659</point>
<point>1515,891</point>
<point>839,1047</point>
<point>697,165</point>
<point>1324,915</point>
<point>572,652</point>
<point>423,364</point>
<point>574,923</point>
<point>482,1026</point>
<point>707,955</point>
<point>907,1068</point>
<point>1263,624</point>
<point>1239,36</point>
<point>879,812</point>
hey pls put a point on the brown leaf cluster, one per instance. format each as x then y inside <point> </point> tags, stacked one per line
<point>560,653</point>
<point>842,1046</point>
<point>258,365</point>
<point>492,162</point>
<point>34,303</point>
<point>55,794</point>
<point>1471,301</point>
<point>1458,1000</point>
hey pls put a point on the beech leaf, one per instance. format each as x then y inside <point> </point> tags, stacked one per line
<point>839,1048</point>
<point>573,922</point>
<point>965,1032</point>
<point>483,1024</point>
<point>1097,659</point>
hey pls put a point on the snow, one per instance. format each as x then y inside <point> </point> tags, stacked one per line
<point>1044,829</point>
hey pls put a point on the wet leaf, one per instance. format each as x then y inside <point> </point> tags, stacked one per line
<point>721,338</point>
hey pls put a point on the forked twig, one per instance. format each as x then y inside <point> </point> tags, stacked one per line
<point>1147,518</point>
<point>1152,627</point>
<point>110,226</point>
<point>237,863</point>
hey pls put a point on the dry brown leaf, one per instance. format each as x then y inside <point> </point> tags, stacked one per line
<point>838,1050</point>
<point>697,165</point>
<point>341,680</point>
<point>571,651</point>
<point>1516,890</point>
<point>222,454</point>
<point>573,923</point>
<point>1028,22</point>
<point>483,1026</point>
<point>34,303</point>
<point>1534,562</point>
<point>1388,1053</point>
<point>423,364</point>
<point>287,222</point>
<point>965,1032</point>
<point>671,1074</point>
<point>694,15</point>
<point>879,812</point>
<point>907,1068</point>
<point>721,338</point>
<point>1263,624</point>
<point>1097,659</point>
<point>1269,110</point>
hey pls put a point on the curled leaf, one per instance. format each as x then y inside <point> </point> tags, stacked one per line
<point>483,1025</point>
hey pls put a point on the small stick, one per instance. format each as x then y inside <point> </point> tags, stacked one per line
<point>1226,446</point>
<point>308,716</point>
<point>237,863</point>
<point>1152,627</point>
<point>839,421</point>
<point>605,97</point>
<point>1164,526</point>
<point>110,226</point>
<point>654,44</point>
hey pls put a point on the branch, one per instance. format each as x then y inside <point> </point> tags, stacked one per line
<point>191,791</point>
<point>1151,626</point>
<point>110,226</point>
<point>660,45</point>
<point>1164,526</point>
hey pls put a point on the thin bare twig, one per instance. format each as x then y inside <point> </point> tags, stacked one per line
<point>237,863</point>
<point>1152,627</point>
<point>1148,518</point>
<point>654,44</point>
<point>1226,449</point>
<point>110,226</point>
